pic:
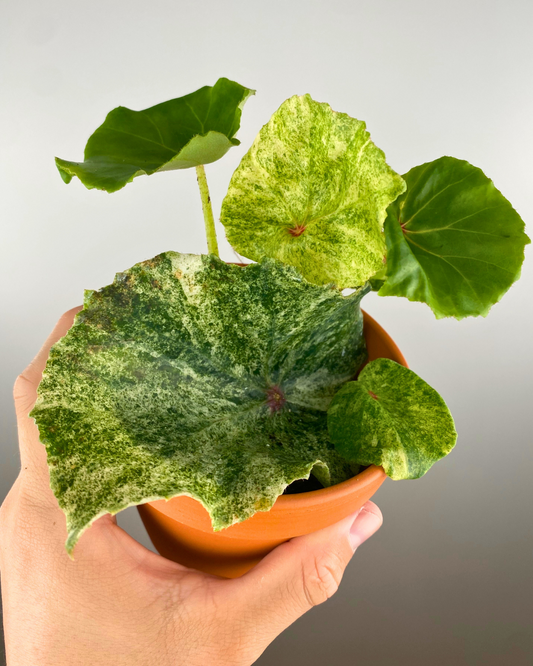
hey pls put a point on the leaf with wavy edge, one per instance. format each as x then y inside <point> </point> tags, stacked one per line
<point>196,129</point>
<point>392,418</point>
<point>187,376</point>
<point>453,240</point>
<point>312,192</point>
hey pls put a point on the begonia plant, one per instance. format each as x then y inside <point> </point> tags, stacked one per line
<point>226,383</point>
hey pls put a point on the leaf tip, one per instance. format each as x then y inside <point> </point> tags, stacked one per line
<point>66,176</point>
<point>70,543</point>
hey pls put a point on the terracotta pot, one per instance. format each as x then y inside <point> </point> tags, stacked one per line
<point>181,530</point>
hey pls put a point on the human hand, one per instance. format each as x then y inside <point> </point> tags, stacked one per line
<point>118,603</point>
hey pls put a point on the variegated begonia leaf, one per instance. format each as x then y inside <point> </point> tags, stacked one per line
<point>191,376</point>
<point>392,418</point>
<point>196,129</point>
<point>453,240</point>
<point>312,192</point>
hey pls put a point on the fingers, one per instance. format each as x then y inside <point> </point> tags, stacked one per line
<point>303,572</point>
<point>27,382</point>
<point>32,453</point>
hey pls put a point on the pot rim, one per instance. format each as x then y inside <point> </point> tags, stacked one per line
<point>288,517</point>
<point>331,493</point>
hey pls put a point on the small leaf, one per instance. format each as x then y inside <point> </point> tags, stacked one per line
<point>453,240</point>
<point>190,376</point>
<point>392,418</point>
<point>185,132</point>
<point>312,192</point>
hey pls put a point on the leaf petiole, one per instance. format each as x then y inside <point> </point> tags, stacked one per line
<point>212,245</point>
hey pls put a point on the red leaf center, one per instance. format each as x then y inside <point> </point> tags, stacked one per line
<point>297,230</point>
<point>275,399</point>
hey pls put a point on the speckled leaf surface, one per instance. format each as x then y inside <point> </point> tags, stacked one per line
<point>190,376</point>
<point>312,192</point>
<point>453,240</point>
<point>392,418</point>
<point>185,132</point>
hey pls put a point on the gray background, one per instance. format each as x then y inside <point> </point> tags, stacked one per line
<point>448,579</point>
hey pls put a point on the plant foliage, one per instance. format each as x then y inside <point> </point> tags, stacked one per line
<point>187,376</point>
<point>392,418</point>
<point>185,132</point>
<point>190,376</point>
<point>312,192</point>
<point>453,240</point>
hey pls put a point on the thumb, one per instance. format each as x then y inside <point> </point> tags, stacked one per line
<point>303,572</point>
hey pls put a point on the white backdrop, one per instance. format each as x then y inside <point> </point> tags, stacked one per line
<point>445,580</point>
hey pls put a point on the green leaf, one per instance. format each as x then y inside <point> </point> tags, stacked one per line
<point>190,376</point>
<point>392,418</point>
<point>312,192</point>
<point>378,280</point>
<point>453,240</point>
<point>185,132</point>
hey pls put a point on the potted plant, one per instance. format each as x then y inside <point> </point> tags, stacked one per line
<point>223,386</point>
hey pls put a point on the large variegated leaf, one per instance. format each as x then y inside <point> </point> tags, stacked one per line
<point>312,192</point>
<point>453,240</point>
<point>392,418</point>
<point>190,376</point>
<point>185,132</point>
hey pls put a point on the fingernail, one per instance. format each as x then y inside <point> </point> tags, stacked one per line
<point>368,522</point>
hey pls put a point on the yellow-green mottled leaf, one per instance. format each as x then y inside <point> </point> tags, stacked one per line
<point>190,376</point>
<point>392,418</point>
<point>185,132</point>
<point>312,192</point>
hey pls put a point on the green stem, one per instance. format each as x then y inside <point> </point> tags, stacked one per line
<point>212,245</point>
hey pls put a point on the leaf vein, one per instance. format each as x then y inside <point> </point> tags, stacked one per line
<point>143,138</point>
<point>449,226</point>
<point>454,267</point>
<point>156,127</point>
<point>404,224</point>
<point>196,116</point>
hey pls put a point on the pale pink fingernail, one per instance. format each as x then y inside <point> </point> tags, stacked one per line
<point>365,525</point>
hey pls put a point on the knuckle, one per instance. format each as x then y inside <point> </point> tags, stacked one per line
<point>24,394</point>
<point>21,386</point>
<point>5,511</point>
<point>35,498</point>
<point>26,529</point>
<point>8,515</point>
<point>321,578</point>
<point>8,505</point>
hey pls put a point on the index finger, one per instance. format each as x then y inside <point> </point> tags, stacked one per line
<point>25,391</point>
